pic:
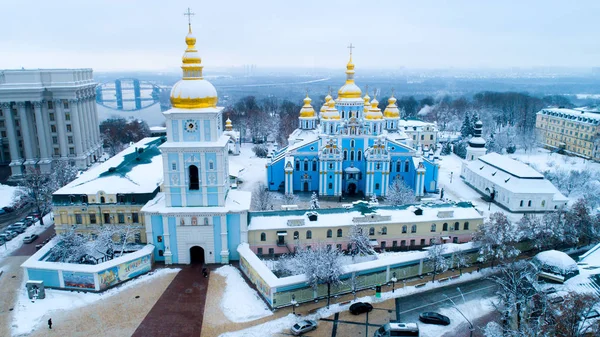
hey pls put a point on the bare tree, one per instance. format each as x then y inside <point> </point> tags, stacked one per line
<point>570,316</point>
<point>36,188</point>
<point>262,199</point>
<point>436,259</point>
<point>400,194</point>
<point>320,265</point>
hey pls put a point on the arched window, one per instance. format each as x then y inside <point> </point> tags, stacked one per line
<point>543,203</point>
<point>352,155</point>
<point>345,154</point>
<point>359,156</point>
<point>211,165</point>
<point>296,235</point>
<point>72,198</point>
<point>263,237</point>
<point>330,185</point>
<point>339,233</point>
<point>102,200</point>
<point>456,226</point>
<point>466,226</point>
<point>404,229</point>
<point>445,226</point>
<point>398,166</point>
<point>305,165</point>
<point>413,229</point>
<point>193,175</point>
<point>352,143</point>
<point>529,203</point>
<point>84,199</point>
<point>329,233</point>
<point>521,203</point>
<point>433,227</point>
<point>308,234</point>
<point>384,230</point>
<point>297,165</point>
<point>377,186</point>
<point>314,165</point>
<point>406,166</point>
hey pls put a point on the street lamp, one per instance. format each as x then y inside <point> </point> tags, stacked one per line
<point>461,294</point>
<point>394,280</point>
<point>471,328</point>
<point>293,302</point>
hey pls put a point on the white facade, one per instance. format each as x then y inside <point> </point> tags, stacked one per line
<point>515,185</point>
<point>46,115</point>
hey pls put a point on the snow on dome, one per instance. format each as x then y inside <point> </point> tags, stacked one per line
<point>477,140</point>
<point>352,169</point>
<point>190,94</point>
<point>556,262</point>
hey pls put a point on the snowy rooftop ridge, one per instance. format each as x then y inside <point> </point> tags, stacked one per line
<point>513,167</point>
<point>575,113</point>
<point>129,171</point>
<point>236,201</point>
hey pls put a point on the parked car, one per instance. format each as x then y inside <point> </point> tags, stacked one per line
<point>35,215</point>
<point>8,209</point>
<point>360,307</point>
<point>5,237</point>
<point>11,234</point>
<point>31,218</point>
<point>398,329</point>
<point>2,211</point>
<point>27,222</point>
<point>302,327</point>
<point>434,318</point>
<point>30,238</point>
<point>18,227</point>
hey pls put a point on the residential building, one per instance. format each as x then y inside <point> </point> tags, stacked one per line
<point>47,115</point>
<point>424,135</point>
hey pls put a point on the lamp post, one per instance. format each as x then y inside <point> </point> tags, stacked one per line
<point>471,328</point>
<point>293,302</point>
<point>461,294</point>
<point>394,280</point>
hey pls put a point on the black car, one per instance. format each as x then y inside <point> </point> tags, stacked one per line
<point>434,318</point>
<point>360,307</point>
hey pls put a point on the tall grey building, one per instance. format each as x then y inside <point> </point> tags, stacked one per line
<point>48,115</point>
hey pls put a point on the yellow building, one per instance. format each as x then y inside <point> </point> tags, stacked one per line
<point>112,192</point>
<point>575,131</point>
<point>423,134</point>
<point>389,227</point>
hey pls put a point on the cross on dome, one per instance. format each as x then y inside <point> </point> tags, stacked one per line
<point>189,14</point>
<point>351,47</point>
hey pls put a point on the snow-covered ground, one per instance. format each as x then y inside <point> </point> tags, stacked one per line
<point>16,243</point>
<point>28,314</point>
<point>475,309</point>
<point>252,170</point>
<point>7,195</point>
<point>541,160</point>
<point>240,303</point>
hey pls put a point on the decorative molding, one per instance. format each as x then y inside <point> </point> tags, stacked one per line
<point>37,104</point>
<point>5,105</point>
<point>21,104</point>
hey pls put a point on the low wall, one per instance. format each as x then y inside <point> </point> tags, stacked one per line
<point>95,278</point>
<point>278,291</point>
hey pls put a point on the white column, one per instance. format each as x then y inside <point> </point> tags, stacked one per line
<point>84,130</point>
<point>168,255</point>
<point>42,129</point>
<point>46,122</point>
<point>15,156</point>
<point>224,245</point>
<point>61,128</point>
<point>26,134</point>
<point>77,131</point>
<point>95,122</point>
<point>149,233</point>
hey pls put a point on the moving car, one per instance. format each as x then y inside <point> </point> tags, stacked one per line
<point>434,318</point>
<point>30,238</point>
<point>398,329</point>
<point>360,307</point>
<point>302,327</point>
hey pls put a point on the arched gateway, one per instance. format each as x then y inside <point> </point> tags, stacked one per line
<point>196,255</point>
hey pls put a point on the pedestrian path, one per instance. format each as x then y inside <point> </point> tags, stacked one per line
<point>180,309</point>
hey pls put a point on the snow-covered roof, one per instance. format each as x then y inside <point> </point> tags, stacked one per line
<point>556,261</point>
<point>340,217</point>
<point>561,112</point>
<point>512,175</point>
<point>123,173</point>
<point>415,123</point>
<point>300,135</point>
<point>221,142</point>
<point>236,201</point>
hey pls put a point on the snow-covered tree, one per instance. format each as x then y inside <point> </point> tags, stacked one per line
<point>290,199</point>
<point>497,238</point>
<point>562,233</point>
<point>359,241</point>
<point>320,265</point>
<point>314,201</point>
<point>447,149</point>
<point>436,259</point>
<point>262,199</point>
<point>537,231</point>
<point>37,187</point>
<point>373,200</point>
<point>460,260</point>
<point>579,217</point>
<point>466,130</point>
<point>400,194</point>
<point>460,149</point>
<point>63,173</point>
<point>260,150</point>
<point>71,248</point>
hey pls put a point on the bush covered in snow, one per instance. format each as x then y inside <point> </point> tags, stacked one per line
<point>556,262</point>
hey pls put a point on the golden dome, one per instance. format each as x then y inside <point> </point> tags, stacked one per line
<point>327,99</point>
<point>367,99</point>
<point>349,89</point>
<point>228,125</point>
<point>331,112</point>
<point>374,112</point>
<point>307,110</point>
<point>193,91</point>
<point>391,111</point>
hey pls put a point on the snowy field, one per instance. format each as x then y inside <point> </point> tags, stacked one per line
<point>542,160</point>
<point>16,243</point>
<point>475,309</point>
<point>240,303</point>
<point>7,194</point>
<point>28,314</point>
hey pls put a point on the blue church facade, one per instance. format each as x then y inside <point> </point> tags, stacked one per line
<point>350,147</point>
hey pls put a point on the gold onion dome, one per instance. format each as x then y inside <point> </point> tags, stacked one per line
<point>307,110</point>
<point>327,99</point>
<point>193,91</point>
<point>228,125</point>
<point>391,111</point>
<point>331,112</point>
<point>367,104</point>
<point>349,89</point>
<point>374,111</point>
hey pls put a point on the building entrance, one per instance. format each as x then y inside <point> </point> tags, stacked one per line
<point>196,255</point>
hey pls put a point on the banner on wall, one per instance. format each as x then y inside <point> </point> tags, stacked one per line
<point>124,271</point>
<point>108,277</point>
<point>78,280</point>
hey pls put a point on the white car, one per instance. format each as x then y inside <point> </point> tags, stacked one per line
<point>302,327</point>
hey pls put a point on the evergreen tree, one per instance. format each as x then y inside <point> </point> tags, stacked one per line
<point>447,149</point>
<point>314,201</point>
<point>466,129</point>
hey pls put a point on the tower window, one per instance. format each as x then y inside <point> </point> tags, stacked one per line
<point>345,155</point>
<point>377,186</point>
<point>352,143</point>
<point>314,165</point>
<point>359,156</point>
<point>297,165</point>
<point>174,166</point>
<point>211,165</point>
<point>398,166</point>
<point>329,233</point>
<point>305,165</point>
<point>352,155</point>
<point>193,175</point>
<point>406,166</point>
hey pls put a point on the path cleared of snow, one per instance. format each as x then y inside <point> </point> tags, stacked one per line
<point>240,303</point>
<point>16,243</point>
<point>28,314</point>
<point>284,323</point>
<point>7,195</point>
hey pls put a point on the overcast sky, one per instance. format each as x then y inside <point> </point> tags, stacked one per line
<point>149,34</point>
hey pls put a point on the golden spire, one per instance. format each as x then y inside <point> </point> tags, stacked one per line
<point>307,110</point>
<point>392,111</point>
<point>349,89</point>
<point>228,124</point>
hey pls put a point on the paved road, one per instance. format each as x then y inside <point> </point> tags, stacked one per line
<point>9,218</point>
<point>28,249</point>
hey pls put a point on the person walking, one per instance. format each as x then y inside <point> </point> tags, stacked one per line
<point>50,323</point>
